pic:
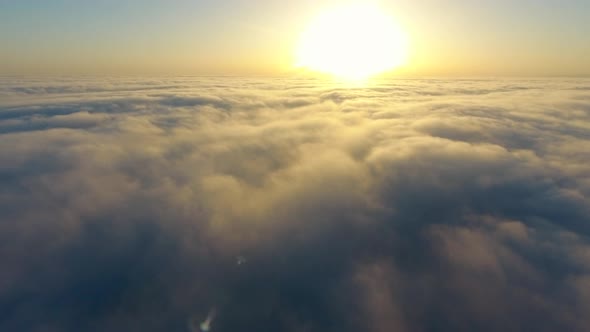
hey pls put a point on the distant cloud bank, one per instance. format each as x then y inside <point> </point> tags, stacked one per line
<point>294,205</point>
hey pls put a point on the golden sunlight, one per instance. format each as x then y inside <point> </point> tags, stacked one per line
<point>352,42</point>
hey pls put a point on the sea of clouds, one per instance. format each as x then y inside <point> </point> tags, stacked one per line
<point>294,205</point>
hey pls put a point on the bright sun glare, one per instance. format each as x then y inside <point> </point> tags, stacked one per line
<point>352,42</point>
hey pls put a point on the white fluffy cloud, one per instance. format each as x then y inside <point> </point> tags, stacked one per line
<point>415,205</point>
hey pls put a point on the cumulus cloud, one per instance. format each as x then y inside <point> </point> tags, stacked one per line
<point>294,205</point>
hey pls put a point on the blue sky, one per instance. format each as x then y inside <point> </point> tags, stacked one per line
<point>463,37</point>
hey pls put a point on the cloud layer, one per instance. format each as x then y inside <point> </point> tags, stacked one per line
<point>294,205</point>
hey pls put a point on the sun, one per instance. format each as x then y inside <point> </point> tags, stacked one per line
<point>352,42</point>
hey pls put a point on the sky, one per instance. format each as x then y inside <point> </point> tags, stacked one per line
<point>239,37</point>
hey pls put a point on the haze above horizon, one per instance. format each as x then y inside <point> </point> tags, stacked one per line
<point>238,37</point>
